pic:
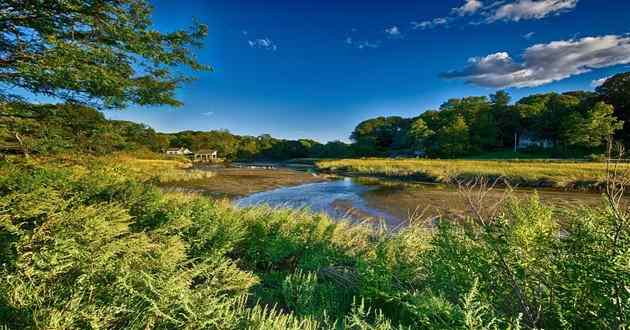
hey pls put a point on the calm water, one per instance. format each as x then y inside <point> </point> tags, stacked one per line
<point>352,200</point>
<point>338,199</point>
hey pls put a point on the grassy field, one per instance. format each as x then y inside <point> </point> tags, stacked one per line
<point>529,173</point>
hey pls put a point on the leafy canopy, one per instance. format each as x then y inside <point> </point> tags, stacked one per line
<point>99,52</point>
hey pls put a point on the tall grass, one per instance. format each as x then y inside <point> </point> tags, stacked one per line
<point>90,245</point>
<point>525,173</point>
<point>165,170</point>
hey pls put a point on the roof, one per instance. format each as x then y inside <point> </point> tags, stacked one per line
<point>205,152</point>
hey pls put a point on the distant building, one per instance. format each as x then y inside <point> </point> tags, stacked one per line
<point>527,141</point>
<point>178,151</point>
<point>206,156</point>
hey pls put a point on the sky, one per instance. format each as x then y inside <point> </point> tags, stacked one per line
<point>316,68</point>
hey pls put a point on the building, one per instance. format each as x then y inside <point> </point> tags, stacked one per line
<point>527,140</point>
<point>178,151</point>
<point>206,156</point>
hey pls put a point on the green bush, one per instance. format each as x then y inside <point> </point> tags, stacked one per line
<point>87,245</point>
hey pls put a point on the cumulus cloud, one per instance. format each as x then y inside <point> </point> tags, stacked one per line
<point>528,35</point>
<point>264,43</point>
<point>530,9</point>
<point>545,63</point>
<point>207,114</point>
<point>468,8</point>
<point>430,24</point>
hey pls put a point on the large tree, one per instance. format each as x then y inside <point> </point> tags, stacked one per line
<point>616,92</point>
<point>380,134</point>
<point>593,128</point>
<point>453,140</point>
<point>419,133</point>
<point>98,52</point>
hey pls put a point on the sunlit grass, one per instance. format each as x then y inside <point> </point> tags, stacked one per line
<point>165,170</point>
<point>559,174</point>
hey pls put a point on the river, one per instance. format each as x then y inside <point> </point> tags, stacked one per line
<point>394,203</point>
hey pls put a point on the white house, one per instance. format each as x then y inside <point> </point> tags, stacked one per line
<point>178,151</point>
<point>527,140</point>
<point>207,155</point>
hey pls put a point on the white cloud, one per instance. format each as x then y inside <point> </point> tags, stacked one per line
<point>264,43</point>
<point>363,44</point>
<point>469,8</point>
<point>430,24</point>
<point>546,63</point>
<point>528,35</point>
<point>393,31</point>
<point>499,10</point>
<point>530,9</point>
<point>207,114</point>
<point>599,82</point>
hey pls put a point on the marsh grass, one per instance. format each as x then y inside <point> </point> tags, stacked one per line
<point>526,173</point>
<point>165,170</point>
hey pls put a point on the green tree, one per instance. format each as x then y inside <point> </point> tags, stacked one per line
<point>453,140</point>
<point>616,92</point>
<point>380,134</point>
<point>102,52</point>
<point>477,113</point>
<point>506,118</point>
<point>419,133</point>
<point>592,129</point>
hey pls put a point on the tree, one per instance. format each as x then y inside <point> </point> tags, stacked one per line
<point>506,118</point>
<point>380,134</point>
<point>594,128</point>
<point>454,139</point>
<point>419,133</point>
<point>548,114</point>
<point>477,113</point>
<point>616,92</point>
<point>102,53</point>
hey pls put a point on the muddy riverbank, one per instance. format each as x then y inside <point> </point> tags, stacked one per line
<point>235,182</point>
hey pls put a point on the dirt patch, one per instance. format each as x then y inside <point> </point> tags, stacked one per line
<point>238,182</point>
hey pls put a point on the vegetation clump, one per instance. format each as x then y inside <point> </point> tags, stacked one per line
<point>90,245</point>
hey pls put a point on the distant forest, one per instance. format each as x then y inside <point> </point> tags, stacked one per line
<point>568,124</point>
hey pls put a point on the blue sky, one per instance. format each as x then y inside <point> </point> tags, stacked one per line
<point>315,69</point>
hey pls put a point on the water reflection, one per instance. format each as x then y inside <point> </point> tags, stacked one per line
<point>338,199</point>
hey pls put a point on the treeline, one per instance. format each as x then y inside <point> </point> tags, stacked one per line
<point>61,128</point>
<point>568,124</point>
<point>263,147</point>
<point>563,124</point>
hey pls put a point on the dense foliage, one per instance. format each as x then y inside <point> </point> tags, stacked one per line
<point>102,52</point>
<point>564,124</point>
<point>616,92</point>
<point>86,245</point>
<point>55,129</point>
